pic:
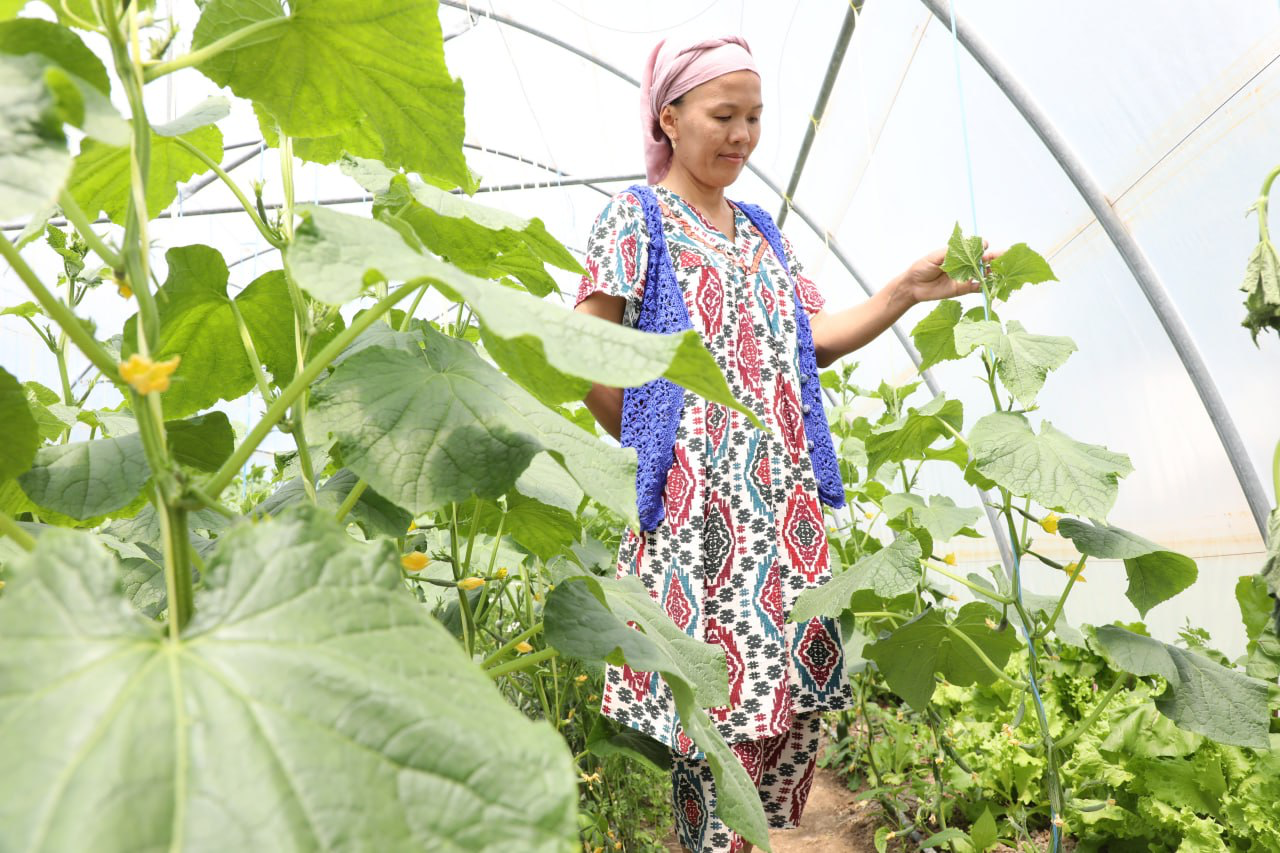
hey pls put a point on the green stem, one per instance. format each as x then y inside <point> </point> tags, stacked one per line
<point>270,236</point>
<point>84,227</point>
<point>982,656</point>
<point>522,663</point>
<point>408,315</point>
<point>259,375</point>
<point>14,531</point>
<point>949,428</point>
<point>61,314</point>
<point>464,603</point>
<point>212,49</point>
<point>511,644</point>
<point>352,498</point>
<point>301,382</point>
<point>1062,600</point>
<point>177,570</point>
<point>1088,721</point>
<point>982,590</point>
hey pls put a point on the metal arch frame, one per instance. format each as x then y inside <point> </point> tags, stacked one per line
<point>833,246</point>
<point>1135,259</point>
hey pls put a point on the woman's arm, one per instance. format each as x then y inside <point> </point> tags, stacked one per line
<point>836,334</point>
<point>605,403</point>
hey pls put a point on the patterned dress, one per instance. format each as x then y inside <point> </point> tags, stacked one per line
<point>743,534</point>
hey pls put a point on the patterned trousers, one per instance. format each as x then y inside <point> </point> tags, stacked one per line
<point>782,769</point>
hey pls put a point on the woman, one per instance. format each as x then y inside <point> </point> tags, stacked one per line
<point>734,532</point>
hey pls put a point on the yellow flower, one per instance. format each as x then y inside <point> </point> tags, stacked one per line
<point>470,583</point>
<point>1070,569</point>
<point>867,515</point>
<point>413,525</point>
<point>523,647</point>
<point>950,559</point>
<point>414,562</point>
<point>990,623</point>
<point>593,697</point>
<point>581,678</point>
<point>1050,523</point>
<point>617,845</point>
<point>568,718</point>
<point>146,375</point>
<point>122,288</point>
<point>953,598</point>
<point>502,573</point>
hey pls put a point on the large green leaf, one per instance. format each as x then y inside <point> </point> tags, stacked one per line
<point>586,618</point>
<point>1202,696</point>
<point>1271,565</point>
<point>198,323</point>
<point>34,162</point>
<point>335,254</point>
<point>888,572</point>
<point>310,704</point>
<point>910,656</point>
<point>88,479</point>
<point>476,238</point>
<point>934,335</point>
<point>1023,360</point>
<point>384,93</point>
<point>441,424</point>
<point>100,180</point>
<point>19,433</point>
<point>541,529</point>
<point>66,61</point>
<point>1051,468</point>
<point>1156,574</point>
<point>963,260</point>
<point>911,434</point>
<point>940,516</point>
<point>1016,266</point>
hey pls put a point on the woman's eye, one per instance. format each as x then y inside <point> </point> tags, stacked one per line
<point>723,118</point>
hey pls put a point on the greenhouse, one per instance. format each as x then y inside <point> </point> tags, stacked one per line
<point>709,426</point>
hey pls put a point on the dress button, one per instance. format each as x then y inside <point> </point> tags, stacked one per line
<point>804,377</point>
<point>809,444</point>
<point>806,408</point>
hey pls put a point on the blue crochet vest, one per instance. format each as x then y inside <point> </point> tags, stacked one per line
<point>651,412</point>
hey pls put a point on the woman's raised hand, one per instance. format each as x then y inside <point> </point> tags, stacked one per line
<point>926,281</point>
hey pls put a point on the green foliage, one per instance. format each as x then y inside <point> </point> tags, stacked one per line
<point>219,725</point>
<point>19,433</point>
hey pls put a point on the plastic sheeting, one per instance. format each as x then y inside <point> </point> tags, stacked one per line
<point>1173,107</point>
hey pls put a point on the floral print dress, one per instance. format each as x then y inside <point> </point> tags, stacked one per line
<point>743,534</point>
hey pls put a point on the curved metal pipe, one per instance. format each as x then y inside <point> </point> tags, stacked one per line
<point>1152,287</point>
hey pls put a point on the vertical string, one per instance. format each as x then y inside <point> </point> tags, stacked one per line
<point>986,309</point>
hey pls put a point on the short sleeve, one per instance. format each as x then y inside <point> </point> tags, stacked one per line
<point>810,297</point>
<point>617,255</point>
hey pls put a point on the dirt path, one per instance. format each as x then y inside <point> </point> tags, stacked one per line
<point>832,823</point>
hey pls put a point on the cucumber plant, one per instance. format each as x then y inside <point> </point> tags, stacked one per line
<point>186,672</point>
<point>1042,481</point>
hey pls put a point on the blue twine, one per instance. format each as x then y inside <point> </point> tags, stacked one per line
<point>986,309</point>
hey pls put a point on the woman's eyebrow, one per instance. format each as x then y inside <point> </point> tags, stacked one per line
<point>728,105</point>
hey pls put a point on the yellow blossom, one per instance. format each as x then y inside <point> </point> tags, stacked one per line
<point>470,583</point>
<point>502,573</point>
<point>950,559</point>
<point>1050,523</point>
<point>868,516</point>
<point>146,375</point>
<point>568,718</point>
<point>122,288</point>
<point>593,697</point>
<point>617,845</point>
<point>991,623</point>
<point>523,647</point>
<point>1070,569</point>
<point>953,598</point>
<point>413,525</point>
<point>581,678</point>
<point>414,562</point>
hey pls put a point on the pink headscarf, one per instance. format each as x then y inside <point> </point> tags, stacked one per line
<point>674,69</point>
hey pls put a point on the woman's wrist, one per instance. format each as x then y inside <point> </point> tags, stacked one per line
<point>901,295</point>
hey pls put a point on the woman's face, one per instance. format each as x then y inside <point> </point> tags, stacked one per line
<point>715,127</point>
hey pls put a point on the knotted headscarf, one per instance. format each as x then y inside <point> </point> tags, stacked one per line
<point>674,69</point>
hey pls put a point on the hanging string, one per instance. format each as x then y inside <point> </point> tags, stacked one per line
<point>986,309</point>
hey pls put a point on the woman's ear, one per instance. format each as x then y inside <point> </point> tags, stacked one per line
<point>667,121</point>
